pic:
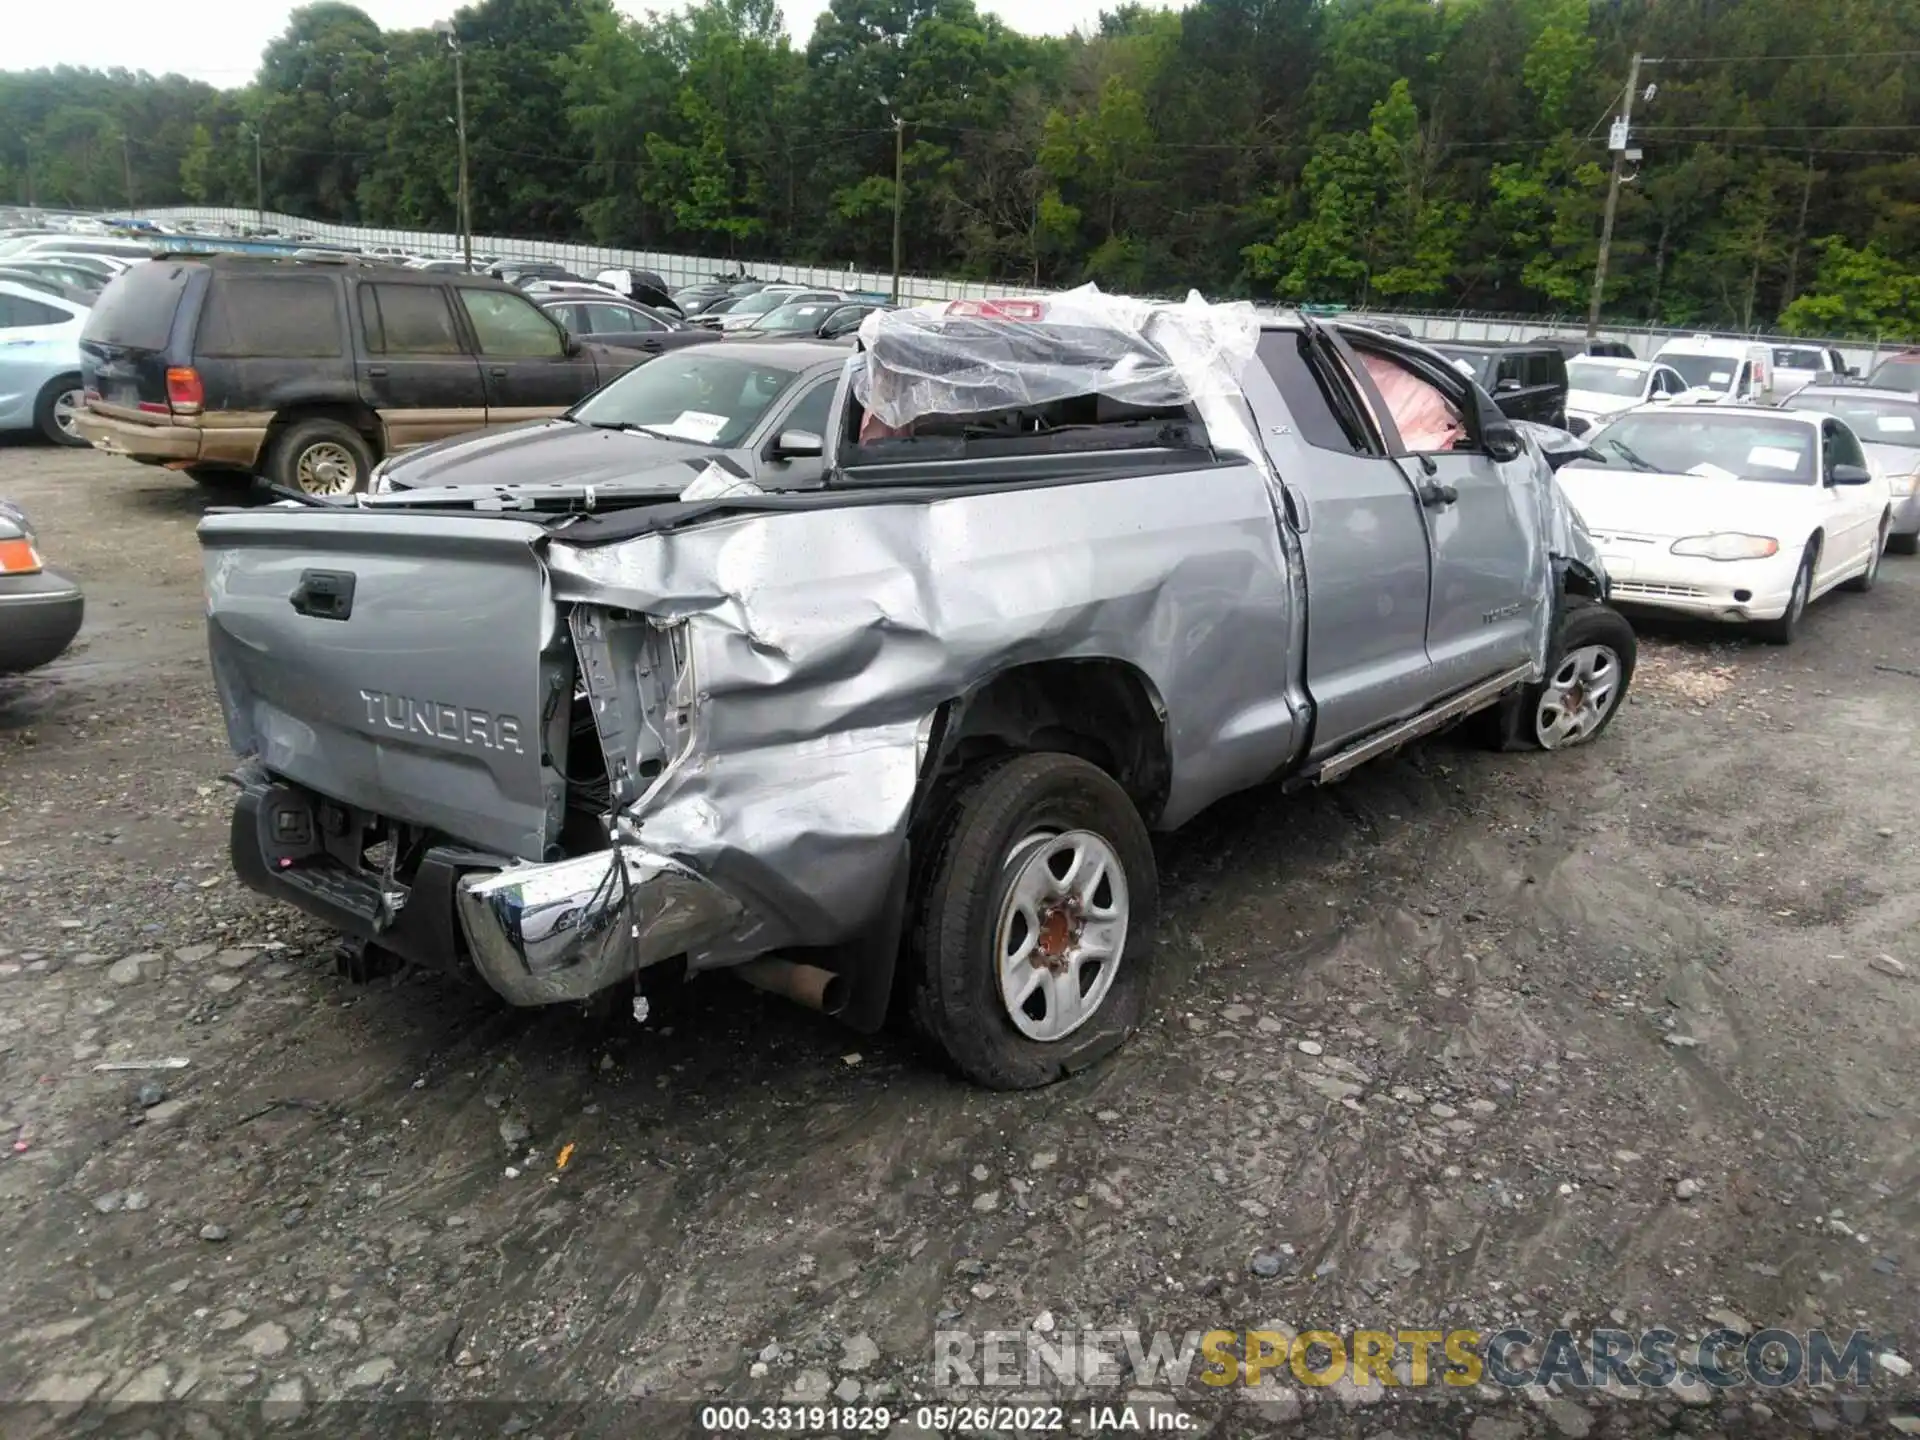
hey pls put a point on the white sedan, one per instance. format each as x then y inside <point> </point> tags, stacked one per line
<point>1599,388</point>
<point>1738,513</point>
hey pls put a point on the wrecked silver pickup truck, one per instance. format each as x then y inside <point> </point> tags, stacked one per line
<point>1074,570</point>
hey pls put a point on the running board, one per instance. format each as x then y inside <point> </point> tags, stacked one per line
<point>1426,722</point>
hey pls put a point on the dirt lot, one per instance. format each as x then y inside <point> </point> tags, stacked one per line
<point>1603,1035</point>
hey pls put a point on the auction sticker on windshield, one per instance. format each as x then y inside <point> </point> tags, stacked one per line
<point>695,425</point>
<point>1894,424</point>
<point>1773,457</point>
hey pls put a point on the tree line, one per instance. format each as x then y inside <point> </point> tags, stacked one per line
<point>1414,153</point>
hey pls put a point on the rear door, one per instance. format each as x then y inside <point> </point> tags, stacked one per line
<point>1360,529</point>
<point>623,326</point>
<point>414,369</point>
<point>125,343</point>
<point>523,358</point>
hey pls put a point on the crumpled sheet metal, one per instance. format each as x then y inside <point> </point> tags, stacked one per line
<point>1562,534</point>
<point>929,360</point>
<point>823,642</point>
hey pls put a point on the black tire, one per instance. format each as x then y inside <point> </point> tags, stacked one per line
<point>1782,630</point>
<point>1862,583</point>
<point>1904,544</point>
<point>57,399</point>
<point>1594,637</point>
<point>981,849</point>
<point>314,448</point>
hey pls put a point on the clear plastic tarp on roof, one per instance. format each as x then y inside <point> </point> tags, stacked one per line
<point>976,357</point>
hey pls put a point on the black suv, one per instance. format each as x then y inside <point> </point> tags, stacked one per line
<point>310,371</point>
<point>1527,381</point>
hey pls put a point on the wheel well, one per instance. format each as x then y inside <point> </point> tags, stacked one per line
<point>1815,542</point>
<point>1105,711</point>
<point>355,416</point>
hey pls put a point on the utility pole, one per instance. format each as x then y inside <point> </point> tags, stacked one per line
<point>1617,142</point>
<point>30,201</point>
<point>899,174</point>
<point>259,180</point>
<point>465,201</point>
<point>126,170</point>
<point>460,122</point>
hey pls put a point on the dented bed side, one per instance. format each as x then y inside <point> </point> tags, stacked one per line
<point>820,645</point>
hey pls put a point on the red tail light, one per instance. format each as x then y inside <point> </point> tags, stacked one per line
<point>998,309</point>
<point>184,392</point>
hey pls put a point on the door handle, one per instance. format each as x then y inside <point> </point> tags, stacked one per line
<point>378,371</point>
<point>1434,495</point>
<point>498,370</point>
<point>324,594</point>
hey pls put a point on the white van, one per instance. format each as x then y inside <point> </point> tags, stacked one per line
<point>1721,372</point>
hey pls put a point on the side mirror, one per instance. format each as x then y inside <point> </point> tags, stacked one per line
<point>798,445</point>
<point>1849,475</point>
<point>1853,372</point>
<point>1502,442</point>
<point>569,342</point>
<point>1506,386</point>
<point>1661,397</point>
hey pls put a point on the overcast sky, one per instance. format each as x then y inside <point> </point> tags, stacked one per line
<point>220,41</point>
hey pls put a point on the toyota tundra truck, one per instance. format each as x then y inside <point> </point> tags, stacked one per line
<point>1072,570</point>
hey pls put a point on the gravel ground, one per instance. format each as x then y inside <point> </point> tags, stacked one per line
<point>1623,1037</point>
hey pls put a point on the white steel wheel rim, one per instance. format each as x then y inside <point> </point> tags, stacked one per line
<point>1061,932</point>
<point>326,468</point>
<point>1580,695</point>
<point>66,405</point>
<point>1879,548</point>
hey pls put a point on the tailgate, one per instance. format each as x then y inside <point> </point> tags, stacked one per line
<point>398,663</point>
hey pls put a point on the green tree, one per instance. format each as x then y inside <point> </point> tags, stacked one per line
<point>1378,225</point>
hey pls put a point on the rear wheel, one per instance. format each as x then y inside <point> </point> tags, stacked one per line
<point>1782,631</point>
<point>321,457</point>
<point>1033,941</point>
<point>60,402</point>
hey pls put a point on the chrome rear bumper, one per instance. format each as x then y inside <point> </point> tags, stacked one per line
<point>543,934</point>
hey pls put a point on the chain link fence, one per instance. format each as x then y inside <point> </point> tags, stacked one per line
<point>678,269</point>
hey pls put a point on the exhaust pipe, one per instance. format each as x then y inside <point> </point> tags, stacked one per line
<point>806,985</point>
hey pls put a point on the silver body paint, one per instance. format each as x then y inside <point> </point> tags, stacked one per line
<point>765,684</point>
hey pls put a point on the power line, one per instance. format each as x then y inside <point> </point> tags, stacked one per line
<point>1746,129</point>
<point>1809,55</point>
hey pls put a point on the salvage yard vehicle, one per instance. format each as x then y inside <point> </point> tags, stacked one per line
<point>759,408</point>
<point>1721,372</point>
<point>1797,366</point>
<point>1074,570</point>
<point>40,361</point>
<point>1599,389</point>
<point>40,609</point>
<point>1732,513</point>
<point>309,371</point>
<point>1888,425</point>
<point>606,320</point>
<point>1527,382</point>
